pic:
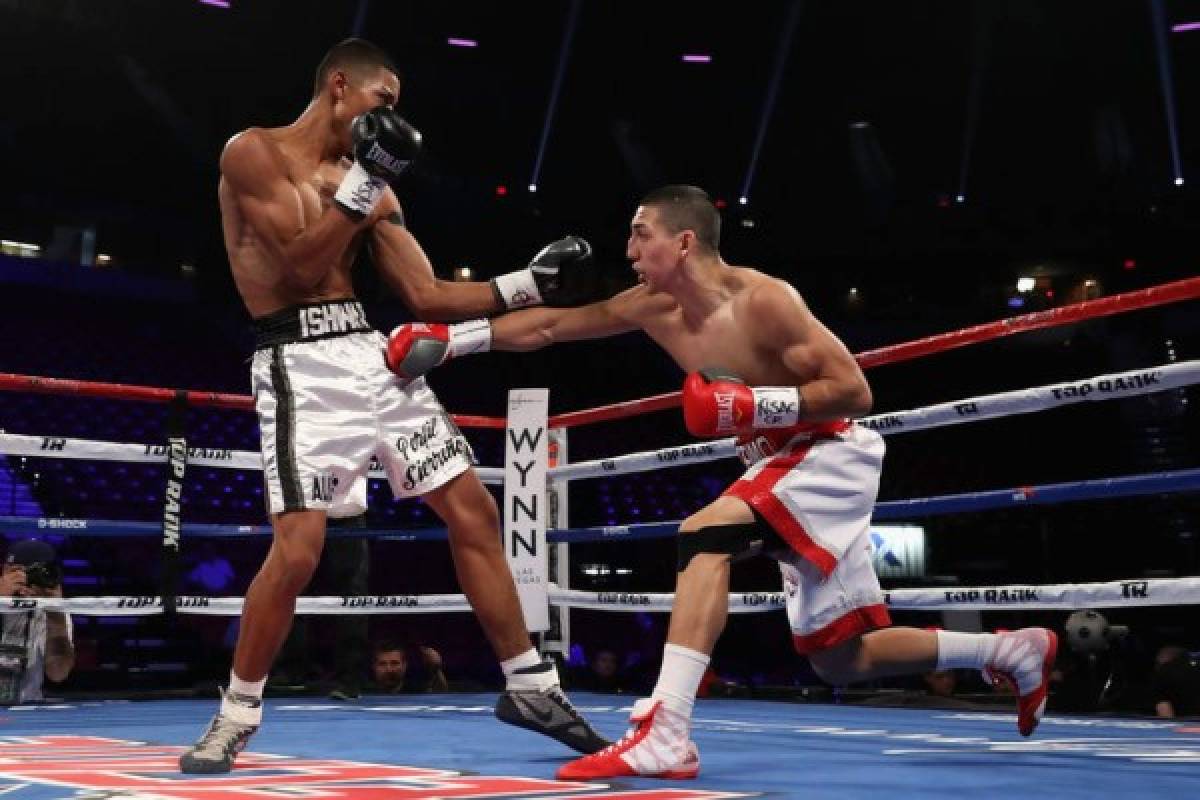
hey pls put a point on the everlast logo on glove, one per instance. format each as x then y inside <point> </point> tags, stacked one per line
<point>725,417</point>
<point>386,160</point>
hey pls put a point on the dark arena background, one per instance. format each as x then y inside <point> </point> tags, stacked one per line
<point>979,198</point>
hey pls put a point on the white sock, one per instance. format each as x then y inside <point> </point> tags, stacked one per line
<point>529,671</point>
<point>242,712</point>
<point>682,670</point>
<point>246,688</point>
<point>529,658</point>
<point>964,650</point>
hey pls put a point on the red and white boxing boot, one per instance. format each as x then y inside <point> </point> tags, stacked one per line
<point>656,746</point>
<point>1024,659</point>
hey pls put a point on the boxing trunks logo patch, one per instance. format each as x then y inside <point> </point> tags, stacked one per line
<point>425,456</point>
<point>323,486</point>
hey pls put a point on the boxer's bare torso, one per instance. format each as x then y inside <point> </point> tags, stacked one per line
<point>260,276</point>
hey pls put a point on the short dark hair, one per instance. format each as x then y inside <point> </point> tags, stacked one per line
<point>386,646</point>
<point>351,55</point>
<point>681,207</point>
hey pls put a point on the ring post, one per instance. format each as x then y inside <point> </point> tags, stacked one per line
<point>525,462</point>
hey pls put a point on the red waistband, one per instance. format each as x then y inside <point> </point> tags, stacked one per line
<point>755,445</point>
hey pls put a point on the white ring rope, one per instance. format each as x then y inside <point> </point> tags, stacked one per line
<point>1020,401</point>
<point>1003,404</point>
<point>15,444</point>
<point>1134,593</point>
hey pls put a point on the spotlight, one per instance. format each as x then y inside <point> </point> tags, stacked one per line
<point>462,273</point>
<point>743,199</point>
<point>533,187</point>
<point>501,190</point>
<point>960,198</point>
<point>1179,181</point>
<point>1025,284</point>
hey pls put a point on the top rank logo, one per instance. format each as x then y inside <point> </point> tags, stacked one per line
<point>97,767</point>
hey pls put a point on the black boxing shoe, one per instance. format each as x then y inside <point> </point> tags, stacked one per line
<point>550,713</point>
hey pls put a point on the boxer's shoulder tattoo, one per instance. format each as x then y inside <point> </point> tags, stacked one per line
<point>396,218</point>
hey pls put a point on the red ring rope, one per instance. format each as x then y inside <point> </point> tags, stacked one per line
<point>1178,291</point>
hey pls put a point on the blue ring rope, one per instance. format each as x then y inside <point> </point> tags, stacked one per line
<point>1185,480</point>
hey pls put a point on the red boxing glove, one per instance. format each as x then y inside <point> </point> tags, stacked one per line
<point>718,403</point>
<point>415,348</point>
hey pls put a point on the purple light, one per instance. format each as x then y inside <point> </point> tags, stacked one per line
<point>215,3</point>
<point>1185,26</point>
<point>696,58</point>
<point>453,42</point>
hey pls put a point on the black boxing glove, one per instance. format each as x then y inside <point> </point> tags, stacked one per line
<point>383,145</point>
<point>560,275</point>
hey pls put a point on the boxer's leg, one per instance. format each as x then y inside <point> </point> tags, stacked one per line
<point>470,514</point>
<point>533,698</point>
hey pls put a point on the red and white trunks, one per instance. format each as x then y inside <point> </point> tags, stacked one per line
<point>816,486</point>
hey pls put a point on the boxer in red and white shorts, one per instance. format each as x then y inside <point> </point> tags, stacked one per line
<point>786,385</point>
<point>816,489</point>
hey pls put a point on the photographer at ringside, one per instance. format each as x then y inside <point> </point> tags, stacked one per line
<point>34,645</point>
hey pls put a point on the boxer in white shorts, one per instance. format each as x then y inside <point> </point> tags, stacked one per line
<point>298,202</point>
<point>760,366</point>
<point>327,403</point>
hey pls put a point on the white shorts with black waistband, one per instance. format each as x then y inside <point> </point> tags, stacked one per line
<point>325,407</point>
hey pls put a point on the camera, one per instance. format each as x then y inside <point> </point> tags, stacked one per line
<point>42,575</point>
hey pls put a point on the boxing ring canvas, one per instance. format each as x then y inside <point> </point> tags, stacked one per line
<point>450,746</point>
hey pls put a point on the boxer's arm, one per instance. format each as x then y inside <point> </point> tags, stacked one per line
<point>784,325</point>
<point>271,205</point>
<point>405,268</point>
<point>414,349</point>
<point>535,328</point>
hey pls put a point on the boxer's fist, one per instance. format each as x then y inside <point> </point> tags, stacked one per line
<point>564,272</point>
<point>718,403</point>
<point>561,275</point>
<point>415,348</point>
<point>383,145</point>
